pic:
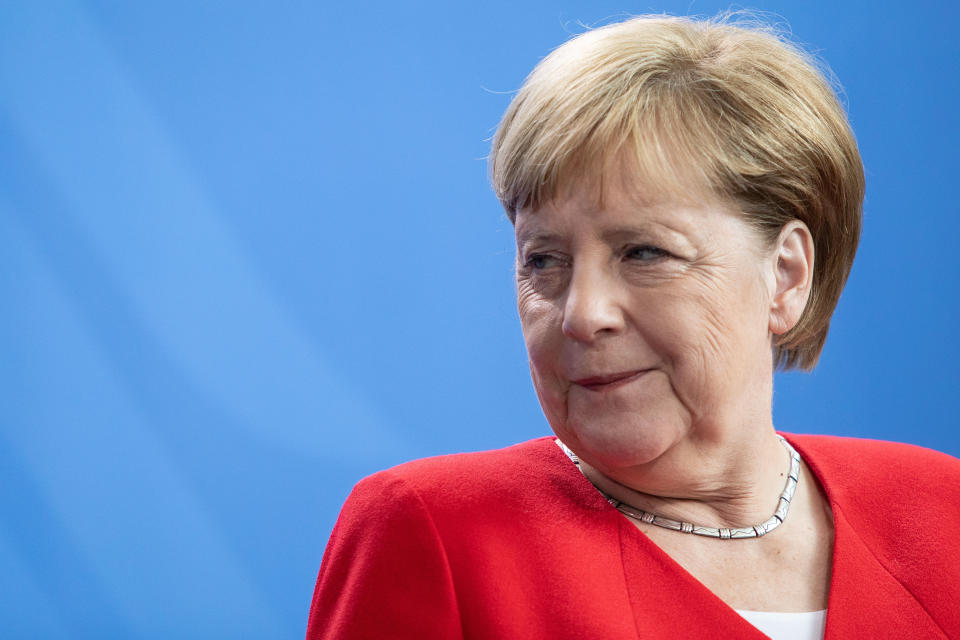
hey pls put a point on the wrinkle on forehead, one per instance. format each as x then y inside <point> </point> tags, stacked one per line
<point>663,216</point>
<point>620,173</point>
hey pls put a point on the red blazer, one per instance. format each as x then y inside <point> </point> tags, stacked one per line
<point>516,543</point>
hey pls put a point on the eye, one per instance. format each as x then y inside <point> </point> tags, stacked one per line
<point>645,253</point>
<point>541,261</point>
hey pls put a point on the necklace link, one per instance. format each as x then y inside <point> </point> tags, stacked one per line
<point>757,530</point>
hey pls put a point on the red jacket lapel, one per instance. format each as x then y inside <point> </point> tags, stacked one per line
<point>865,600</point>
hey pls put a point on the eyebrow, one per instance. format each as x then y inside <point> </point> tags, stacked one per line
<point>620,234</point>
<point>614,236</point>
<point>526,239</point>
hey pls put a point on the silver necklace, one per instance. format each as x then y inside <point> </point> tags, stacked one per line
<point>757,530</point>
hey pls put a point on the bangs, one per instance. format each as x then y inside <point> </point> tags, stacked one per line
<point>665,133</point>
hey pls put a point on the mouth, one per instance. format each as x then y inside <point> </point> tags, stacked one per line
<point>610,381</point>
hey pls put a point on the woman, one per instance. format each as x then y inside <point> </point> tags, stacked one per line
<point>686,197</point>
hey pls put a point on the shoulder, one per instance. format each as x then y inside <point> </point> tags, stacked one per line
<point>852,464</point>
<point>900,498</point>
<point>898,501</point>
<point>468,478</point>
<point>401,526</point>
<point>425,522</point>
<point>418,490</point>
<point>840,445</point>
<point>483,499</point>
<point>519,457</point>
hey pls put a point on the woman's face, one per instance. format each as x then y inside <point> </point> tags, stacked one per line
<point>646,320</point>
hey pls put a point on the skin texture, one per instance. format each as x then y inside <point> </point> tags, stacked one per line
<point>649,321</point>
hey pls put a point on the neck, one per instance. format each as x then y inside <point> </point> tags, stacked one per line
<point>711,484</point>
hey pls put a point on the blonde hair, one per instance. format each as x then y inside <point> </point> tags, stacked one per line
<point>741,109</point>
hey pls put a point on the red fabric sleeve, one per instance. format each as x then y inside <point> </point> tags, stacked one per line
<point>384,572</point>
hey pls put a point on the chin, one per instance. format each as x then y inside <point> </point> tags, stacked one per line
<point>611,445</point>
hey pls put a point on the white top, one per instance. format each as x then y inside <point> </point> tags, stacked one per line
<point>806,625</point>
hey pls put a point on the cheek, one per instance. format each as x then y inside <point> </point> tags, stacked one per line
<point>543,347</point>
<point>529,304</point>
<point>717,330</point>
<point>542,334</point>
<point>539,321</point>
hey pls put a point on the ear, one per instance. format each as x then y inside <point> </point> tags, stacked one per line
<point>793,276</point>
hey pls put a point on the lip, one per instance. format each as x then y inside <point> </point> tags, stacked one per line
<point>610,381</point>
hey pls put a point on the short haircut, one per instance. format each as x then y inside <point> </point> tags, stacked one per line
<point>734,104</point>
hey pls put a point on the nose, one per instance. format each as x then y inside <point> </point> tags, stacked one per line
<point>592,309</point>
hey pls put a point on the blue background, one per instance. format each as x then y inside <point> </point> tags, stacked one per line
<point>250,255</point>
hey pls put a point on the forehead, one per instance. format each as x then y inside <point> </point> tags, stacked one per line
<point>645,176</point>
<point>621,209</point>
<point>621,196</point>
